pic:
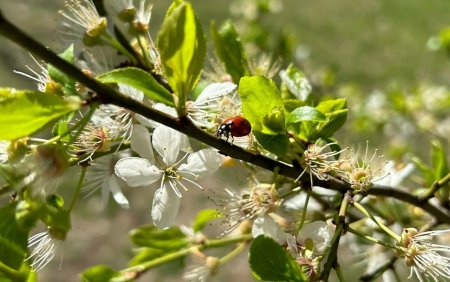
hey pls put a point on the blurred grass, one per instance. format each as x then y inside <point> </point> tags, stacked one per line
<point>370,43</point>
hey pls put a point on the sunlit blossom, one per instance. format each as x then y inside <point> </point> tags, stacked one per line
<point>172,171</point>
<point>362,173</point>
<point>256,202</point>
<point>40,76</point>
<point>265,65</point>
<point>83,20</point>
<point>320,161</point>
<point>394,176</point>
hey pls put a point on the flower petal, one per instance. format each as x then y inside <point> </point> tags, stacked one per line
<point>165,207</point>
<point>140,142</point>
<point>268,227</point>
<point>131,92</point>
<point>319,232</point>
<point>214,90</point>
<point>206,161</point>
<point>118,196</point>
<point>166,142</point>
<point>137,171</point>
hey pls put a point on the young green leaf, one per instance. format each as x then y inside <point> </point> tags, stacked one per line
<point>336,113</point>
<point>269,261</point>
<point>140,80</point>
<point>305,113</point>
<point>13,240</point>
<point>263,107</point>
<point>151,236</point>
<point>203,217</point>
<point>229,49</point>
<point>99,273</point>
<point>24,112</point>
<point>262,104</point>
<point>182,46</point>
<point>295,82</point>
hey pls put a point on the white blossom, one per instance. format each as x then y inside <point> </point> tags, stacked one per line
<point>171,171</point>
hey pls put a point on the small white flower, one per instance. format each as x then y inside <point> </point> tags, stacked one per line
<point>170,171</point>
<point>319,232</point>
<point>257,202</point>
<point>83,19</point>
<point>44,246</point>
<point>143,14</point>
<point>101,175</point>
<point>424,257</point>
<point>41,76</point>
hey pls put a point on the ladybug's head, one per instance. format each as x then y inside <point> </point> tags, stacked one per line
<point>223,129</point>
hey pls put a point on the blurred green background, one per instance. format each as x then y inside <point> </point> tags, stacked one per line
<point>371,44</point>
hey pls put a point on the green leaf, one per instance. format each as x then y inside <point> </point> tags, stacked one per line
<point>269,261</point>
<point>146,254</point>
<point>292,104</point>
<point>295,82</point>
<point>140,80</point>
<point>305,113</point>
<point>182,46</point>
<point>277,144</point>
<point>336,113</point>
<point>203,217</point>
<point>62,126</point>
<point>99,273</point>
<point>13,240</point>
<point>23,112</point>
<point>229,49</point>
<point>438,160</point>
<point>153,237</point>
<point>262,104</point>
<point>68,84</point>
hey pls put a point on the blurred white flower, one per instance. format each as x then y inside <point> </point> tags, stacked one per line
<point>101,175</point>
<point>202,268</point>
<point>3,151</point>
<point>424,257</point>
<point>44,246</point>
<point>266,226</point>
<point>170,170</point>
<point>393,176</point>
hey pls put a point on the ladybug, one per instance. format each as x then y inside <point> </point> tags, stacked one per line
<point>235,126</point>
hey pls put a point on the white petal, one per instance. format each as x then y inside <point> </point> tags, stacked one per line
<point>214,90</point>
<point>160,107</point>
<point>206,161</point>
<point>165,206</point>
<point>118,196</point>
<point>145,121</point>
<point>268,227</point>
<point>166,142</point>
<point>137,171</point>
<point>319,232</point>
<point>140,142</point>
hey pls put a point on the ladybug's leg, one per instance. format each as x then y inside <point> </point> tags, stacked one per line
<point>227,134</point>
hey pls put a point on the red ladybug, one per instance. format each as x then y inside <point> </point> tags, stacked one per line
<point>235,126</point>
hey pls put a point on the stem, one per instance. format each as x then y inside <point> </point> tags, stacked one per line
<point>143,267</point>
<point>435,187</point>
<point>332,254</point>
<point>11,273</point>
<point>107,38</point>
<point>302,221</point>
<point>369,238</point>
<point>339,273</point>
<point>144,50</point>
<point>78,189</point>
<point>228,257</point>
<point>377,222</point>
<point>109,95</point>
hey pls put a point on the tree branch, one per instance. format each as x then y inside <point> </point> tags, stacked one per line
<point>110,95</point>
